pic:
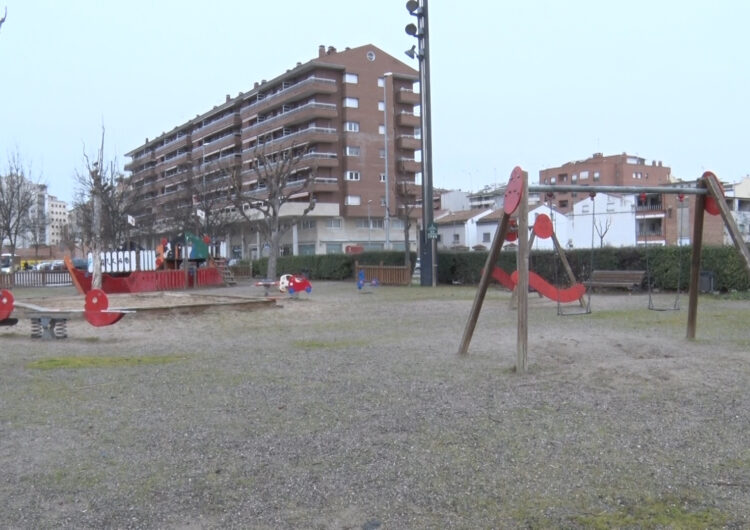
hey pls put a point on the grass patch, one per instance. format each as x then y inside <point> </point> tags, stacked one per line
<point>311,344</point>
<point>669,513</point>
<point>101,362</point>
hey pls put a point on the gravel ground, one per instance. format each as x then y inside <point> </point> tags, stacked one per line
<point>351,410</point>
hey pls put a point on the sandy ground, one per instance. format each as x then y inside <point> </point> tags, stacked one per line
<point>346,409</point>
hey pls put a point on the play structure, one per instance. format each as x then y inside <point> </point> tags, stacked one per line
<point>709,198</point>
<point>183,262</point>
<point>49,323</point>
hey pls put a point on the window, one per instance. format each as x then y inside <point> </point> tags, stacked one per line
<point>353,175</point>
<point>333,248</point>
<point>362,222</point>
<point>351,78</point>
<point>351,126</point>
<point>563,204</point>
<point>382,177</point>
<point>456,239</point>
<point>333,222</point>
<point>352,150</point>
<point>353,200</point>
<point>352,103</point>
<point>486,237</point>
<point>377,222</point>
<point>382,153</point>
<point>381,105</point>
<point>596,175</point>
<point>307,249</point>
<point>308,224</point>
<point>381,82</point>
<point>573,177</point>
<point>397,223</point>
<point>584,175</point>
<point>381,129</point>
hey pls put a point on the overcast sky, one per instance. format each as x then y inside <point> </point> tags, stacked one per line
<point>532,83</point>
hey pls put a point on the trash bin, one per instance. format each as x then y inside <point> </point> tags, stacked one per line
<point>706,281</point>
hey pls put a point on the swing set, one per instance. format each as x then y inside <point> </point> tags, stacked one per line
<point>709,198</point>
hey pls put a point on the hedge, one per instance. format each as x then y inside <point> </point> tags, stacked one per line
<point>665,265</point>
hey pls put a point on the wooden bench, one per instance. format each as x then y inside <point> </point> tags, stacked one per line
<point>624,279</point>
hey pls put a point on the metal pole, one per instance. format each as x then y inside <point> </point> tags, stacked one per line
<point>387,219</point>
<point>424,84</point>
<point>544,188</point>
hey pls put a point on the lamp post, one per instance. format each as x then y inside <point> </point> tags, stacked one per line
<point>387,220</point>
<point>428,270</point>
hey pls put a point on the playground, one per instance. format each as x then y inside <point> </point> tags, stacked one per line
<point>337,410</point>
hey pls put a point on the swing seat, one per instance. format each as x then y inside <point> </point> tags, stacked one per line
<point>567,295</point>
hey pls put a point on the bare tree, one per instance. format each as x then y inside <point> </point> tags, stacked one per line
<point>278,182</point>
<point>406,202</point>
<point>211,194</point>
<point>4,17</point>
<point>97,185</point>
<point>602,228</point>
<point>17,197</point>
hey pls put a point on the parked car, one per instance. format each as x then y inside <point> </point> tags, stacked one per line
<point>80,263</point>
<point>58,265</point>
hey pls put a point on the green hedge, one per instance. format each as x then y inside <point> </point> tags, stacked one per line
<point>664,264</point>
<point>329,266</point>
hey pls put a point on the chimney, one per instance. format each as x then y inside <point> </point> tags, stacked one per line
<point>331,50</point>
<point>228,98</point>
<point>321,50</point>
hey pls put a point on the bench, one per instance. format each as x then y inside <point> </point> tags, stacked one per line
<point>624,279</point>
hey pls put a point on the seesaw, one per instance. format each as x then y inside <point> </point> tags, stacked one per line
<point>49,323</point>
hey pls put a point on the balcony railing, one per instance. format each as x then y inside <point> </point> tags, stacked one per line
<point>287,137</point>
<point>285,115</point>
<point>287,90</point>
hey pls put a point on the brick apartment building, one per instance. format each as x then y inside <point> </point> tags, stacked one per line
<point>661,218</point>
<point>349,111</point>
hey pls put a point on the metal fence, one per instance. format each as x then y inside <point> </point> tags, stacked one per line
<point>35,279</point>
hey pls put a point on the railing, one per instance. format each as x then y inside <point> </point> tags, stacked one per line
<point>261,124</point>
<point>325,130</point>
<point>309,80</point>
<point>384,274</point>
<point>35,279</point>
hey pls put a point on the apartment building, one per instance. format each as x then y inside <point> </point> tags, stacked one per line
<point>661,218</point>
<point>354,114</point>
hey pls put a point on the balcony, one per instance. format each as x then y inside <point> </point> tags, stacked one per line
<point>305,88</point>
<point>407,119</point>
<point>310,135</point>
<point>302,114</point>
<point>409,165</point>
<point>174,161</point>
<point>409,143</point>
<point>230,140</point>
<point>177,143</point>
<point>408,97</point>
<point>230,121</point>
<point>321,159</point>
<point>140,161</point>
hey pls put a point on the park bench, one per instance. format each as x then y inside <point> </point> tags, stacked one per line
<point>624,279</point>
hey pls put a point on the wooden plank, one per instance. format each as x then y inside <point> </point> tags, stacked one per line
<point>715,190</point>
<point>695,262</point>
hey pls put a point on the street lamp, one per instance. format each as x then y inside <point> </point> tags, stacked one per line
<point>387,221</point>
<point>428,270</point>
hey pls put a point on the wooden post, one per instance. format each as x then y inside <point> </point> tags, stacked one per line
<point>484,281</point>
<point>522,287</point>
<point>713,187</point>
<point>695,261</point>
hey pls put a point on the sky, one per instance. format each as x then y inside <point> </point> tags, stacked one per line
<point>533,84</point>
